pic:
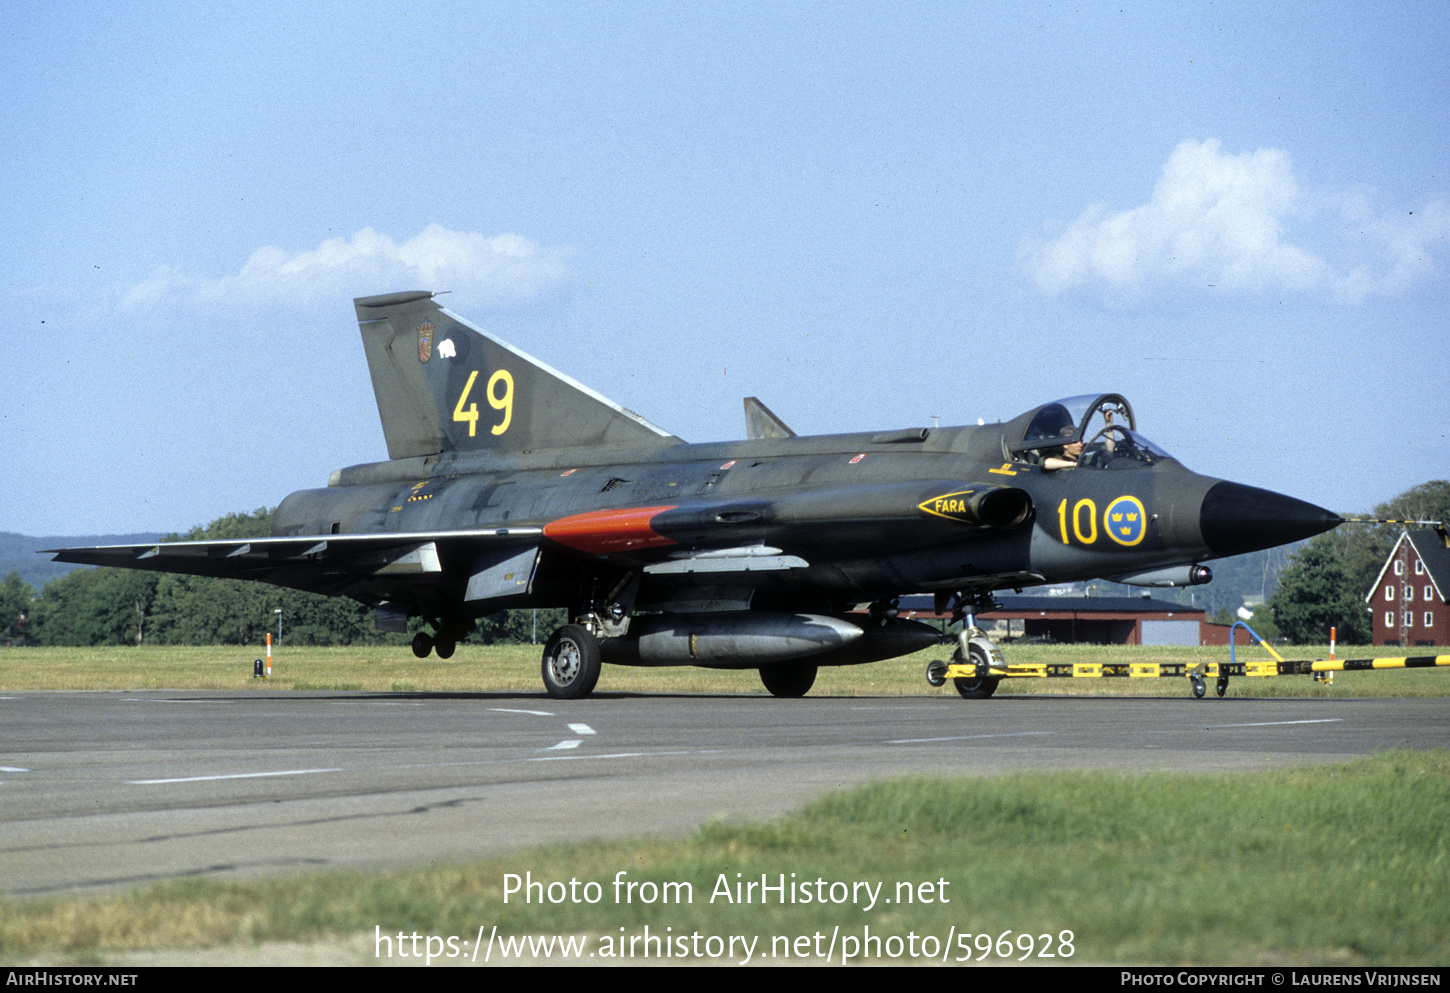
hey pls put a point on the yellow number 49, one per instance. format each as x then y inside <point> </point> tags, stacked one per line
<point>498,401</point>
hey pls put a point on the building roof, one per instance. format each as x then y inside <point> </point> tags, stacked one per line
<point>1069,604</point>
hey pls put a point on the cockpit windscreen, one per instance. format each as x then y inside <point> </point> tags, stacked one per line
<point>1090,431</point>
<point>1117,447</point>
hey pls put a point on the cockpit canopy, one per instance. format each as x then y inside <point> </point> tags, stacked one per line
<point>1101,424</point>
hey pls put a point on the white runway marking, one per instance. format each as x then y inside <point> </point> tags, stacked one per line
<point>626,755</point>
<point>234,775</point>
<point>965,737</point>
<point>564,745</point>
<point>581,729</point>
<point>506,710</point>
<point>1265,724</point>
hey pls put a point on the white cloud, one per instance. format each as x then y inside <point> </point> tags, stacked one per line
<point>496,269</point>
<point>1225,221</point>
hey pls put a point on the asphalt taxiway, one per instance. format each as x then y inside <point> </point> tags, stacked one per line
<point>102,790</point>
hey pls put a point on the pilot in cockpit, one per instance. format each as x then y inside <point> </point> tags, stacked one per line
<point>1069,455</point>
<point>1064,456</point>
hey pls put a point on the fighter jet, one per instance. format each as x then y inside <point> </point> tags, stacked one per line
<point>510,485</point>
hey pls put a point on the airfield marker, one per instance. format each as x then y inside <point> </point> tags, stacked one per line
<point>1327,677</point>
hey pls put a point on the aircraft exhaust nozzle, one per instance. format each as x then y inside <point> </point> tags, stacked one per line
<point>1235,519</point>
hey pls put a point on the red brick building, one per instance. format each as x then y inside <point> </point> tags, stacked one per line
<point>1407,601</point>
<point>1095,620</point>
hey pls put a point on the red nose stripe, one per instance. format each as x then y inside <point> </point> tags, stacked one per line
<point>600,532</point>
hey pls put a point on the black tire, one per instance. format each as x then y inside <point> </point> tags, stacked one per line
<point>445,648</point>
<point>422,644</point>
<point>936,673</point>
<point>570,666</point>
<point>976,687</point>
<point>788,679</point>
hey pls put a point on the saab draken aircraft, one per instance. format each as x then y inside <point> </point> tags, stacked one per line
<point>510,485</point>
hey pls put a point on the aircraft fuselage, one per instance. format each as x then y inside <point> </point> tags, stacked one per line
<point>870,519</point>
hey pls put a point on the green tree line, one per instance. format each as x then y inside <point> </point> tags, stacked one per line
<point>105,606</point>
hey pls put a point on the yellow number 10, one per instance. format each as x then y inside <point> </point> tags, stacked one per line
<point>503,401</point>
<point>1092,513</point>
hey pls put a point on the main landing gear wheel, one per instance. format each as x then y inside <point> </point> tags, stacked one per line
<point>975,687</point>
<point>424,643</point>
<point>571,663</point>
<point>788,679</point>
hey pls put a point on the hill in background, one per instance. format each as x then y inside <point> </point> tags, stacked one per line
<point>18,552</point>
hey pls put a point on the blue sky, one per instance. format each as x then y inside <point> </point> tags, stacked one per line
<point>865,214</point>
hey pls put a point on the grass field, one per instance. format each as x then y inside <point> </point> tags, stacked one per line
<point>515,669</point>
<point>1345,865</point>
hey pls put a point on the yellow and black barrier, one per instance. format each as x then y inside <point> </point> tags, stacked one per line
<point>1154,670</point>
<point>1196,673</point>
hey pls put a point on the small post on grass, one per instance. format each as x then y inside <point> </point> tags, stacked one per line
<point>269,654</point>
<point>1328,677</point>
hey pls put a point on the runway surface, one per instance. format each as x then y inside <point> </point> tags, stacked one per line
<point>103,790</point>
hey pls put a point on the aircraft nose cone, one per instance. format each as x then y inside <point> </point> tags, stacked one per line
<point>1237,518</point>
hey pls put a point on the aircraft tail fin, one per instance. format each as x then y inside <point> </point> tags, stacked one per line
<point>443,385</point>
<point>761,422</point>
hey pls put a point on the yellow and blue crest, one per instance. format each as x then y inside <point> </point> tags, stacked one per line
<point>1125,521</point>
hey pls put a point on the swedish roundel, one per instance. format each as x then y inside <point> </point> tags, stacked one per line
<point>1125,521</point>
